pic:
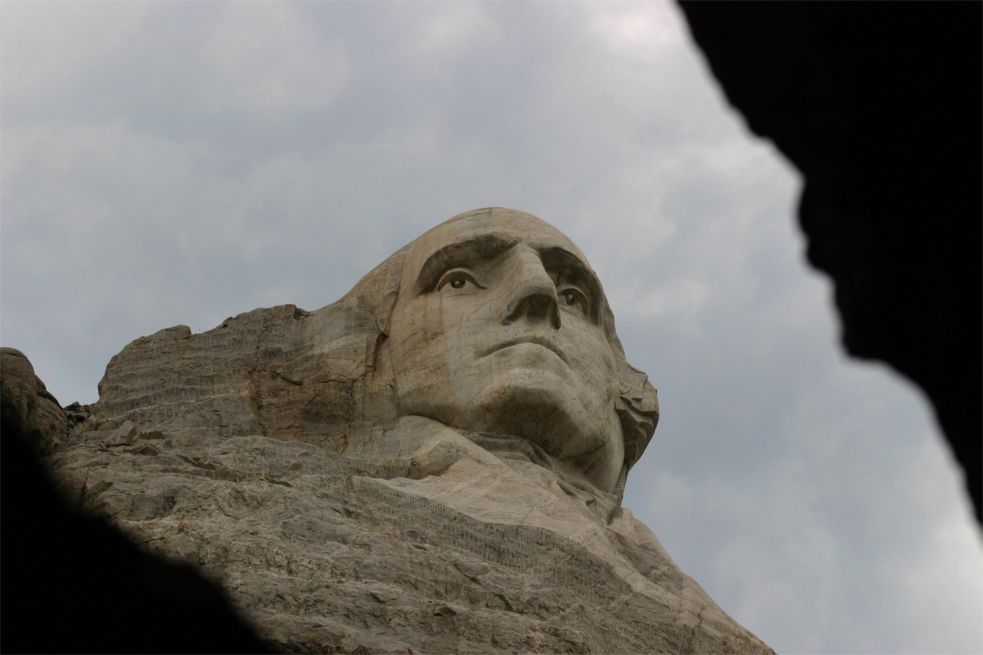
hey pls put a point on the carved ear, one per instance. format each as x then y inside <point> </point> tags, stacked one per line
<point>638,403</point>
<point>638,409</point>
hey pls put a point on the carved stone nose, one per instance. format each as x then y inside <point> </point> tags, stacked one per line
<point>532,295</point>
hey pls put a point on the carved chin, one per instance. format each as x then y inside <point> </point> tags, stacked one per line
<point>539,407</point>
<point>537,404</point>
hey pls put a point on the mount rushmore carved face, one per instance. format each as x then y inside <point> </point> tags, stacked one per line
<point>500,327</point>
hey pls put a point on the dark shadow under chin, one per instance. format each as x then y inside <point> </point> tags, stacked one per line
<point>553,420</point>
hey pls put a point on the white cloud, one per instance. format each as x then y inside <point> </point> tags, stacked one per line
<point>679,300</point>
<point>49,46</point>
<point>263,57</point>
<point>937,592</point>
<point>455,30</point>
<point>638,30</point>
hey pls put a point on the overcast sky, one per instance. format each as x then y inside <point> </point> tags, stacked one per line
<point>177,163</point>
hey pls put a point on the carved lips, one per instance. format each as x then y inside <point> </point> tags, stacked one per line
<point>539,341</point>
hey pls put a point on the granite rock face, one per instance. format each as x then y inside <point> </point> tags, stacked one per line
<point>32,408</point>
<point>434,463</point>
<point>72,582</point>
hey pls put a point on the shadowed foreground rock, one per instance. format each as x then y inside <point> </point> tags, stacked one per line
<point>72,583</point>
<point>878,105</point>
<point>434,463</point>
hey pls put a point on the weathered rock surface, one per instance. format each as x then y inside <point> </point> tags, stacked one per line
<point>321,467</point>
<point>27,400</point>
<point>72,582</point>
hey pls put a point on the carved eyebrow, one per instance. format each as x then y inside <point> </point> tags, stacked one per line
<point>480,248</point>
<point>570,269</point>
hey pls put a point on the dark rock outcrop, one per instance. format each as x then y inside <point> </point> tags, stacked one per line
<point>73,583</point>
<point>29,404</point>
<point>878,105</point>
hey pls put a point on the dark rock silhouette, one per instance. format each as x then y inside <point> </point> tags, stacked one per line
<point>878,105</point>
<point>72,583</point>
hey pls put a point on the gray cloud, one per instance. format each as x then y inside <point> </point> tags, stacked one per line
<point>171,163</point>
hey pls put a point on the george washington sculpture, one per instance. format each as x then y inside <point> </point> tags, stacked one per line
<point>434,463</point>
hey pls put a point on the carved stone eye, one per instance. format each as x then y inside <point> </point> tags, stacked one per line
<point>458,279</point>
<point>575,299</point>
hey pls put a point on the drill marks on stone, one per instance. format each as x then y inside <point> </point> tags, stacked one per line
<point>560,562</point>
<point>286,385</point>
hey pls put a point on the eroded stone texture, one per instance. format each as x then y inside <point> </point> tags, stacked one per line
<point>71,582</point>
<point>435,462</point>
<point>31,406</point>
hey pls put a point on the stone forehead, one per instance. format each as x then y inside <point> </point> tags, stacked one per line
<point>508,223</point>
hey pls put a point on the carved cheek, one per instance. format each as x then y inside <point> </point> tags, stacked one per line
<point>601,370</point>
<point>463,317</point>
<point>433,318</point>
<point>412,332</point>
